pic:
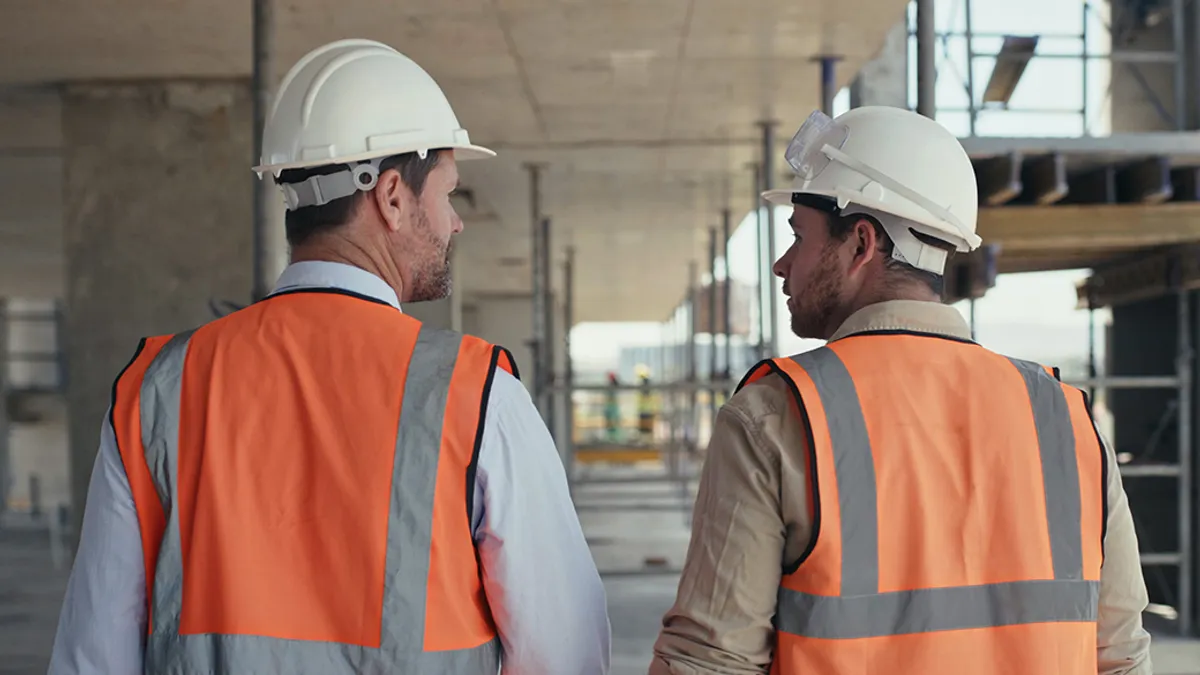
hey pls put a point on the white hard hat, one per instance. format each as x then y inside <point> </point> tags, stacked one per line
<point>901,167</point>
<point>355,102</point>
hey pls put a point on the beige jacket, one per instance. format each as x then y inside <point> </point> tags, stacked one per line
<point>751,516</point>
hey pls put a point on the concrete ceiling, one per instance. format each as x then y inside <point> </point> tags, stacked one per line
<point>644,113</point>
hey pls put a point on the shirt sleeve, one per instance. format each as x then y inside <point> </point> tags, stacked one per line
<point>1122,644</point>
<point>542,585</point>
<point>102,624</point>
<point>721,621</point>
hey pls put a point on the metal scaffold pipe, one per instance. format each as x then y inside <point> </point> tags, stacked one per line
<point>926,63</point>
<point>1184,373</point>
<point>568,363</point>
<point>547,336</point>
<point>726,293</point>
<point>768,183</point>
<point>536,278</point>
<point>260,75</point>
<point>756,188</point>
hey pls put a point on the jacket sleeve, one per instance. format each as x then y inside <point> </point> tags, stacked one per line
<point>102,624</point>
<point>1122,644</point>
<point>541,583</point>
<point>721,621</point>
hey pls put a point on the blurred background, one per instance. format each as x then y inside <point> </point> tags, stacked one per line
<point>616,245</point>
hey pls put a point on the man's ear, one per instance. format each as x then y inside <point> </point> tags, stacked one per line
<point>393,199</point>
<point>866,243</point>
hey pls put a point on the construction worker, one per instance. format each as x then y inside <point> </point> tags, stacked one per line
<point>901,499</point>
<point>319,483</point>
<point>647,410</point>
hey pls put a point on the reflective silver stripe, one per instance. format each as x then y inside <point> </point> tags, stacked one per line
<point>854,467</point>
<point>937,609</point>
<point>1060,473</point>
<point>860,610</point>
<point>418,446</point>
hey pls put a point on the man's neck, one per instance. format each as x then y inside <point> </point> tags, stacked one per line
<point>351,253</point>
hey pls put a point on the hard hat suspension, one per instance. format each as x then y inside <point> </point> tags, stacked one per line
<point>320,190</point>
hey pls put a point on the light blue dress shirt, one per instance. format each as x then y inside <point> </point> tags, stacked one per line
<point>545,594</point>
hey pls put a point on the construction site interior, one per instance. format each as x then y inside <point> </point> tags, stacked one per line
<point>617,245</point>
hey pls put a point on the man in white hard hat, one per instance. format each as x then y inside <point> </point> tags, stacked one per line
<point>319,483</point>
<point>902,499</point>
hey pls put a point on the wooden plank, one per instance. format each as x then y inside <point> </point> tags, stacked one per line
<point>1084,227</point>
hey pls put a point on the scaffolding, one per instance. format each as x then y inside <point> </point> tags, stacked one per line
<point>967,54</point>
<point>1176,270</point>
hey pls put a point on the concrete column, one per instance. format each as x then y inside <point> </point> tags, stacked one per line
<point>884,79</point>
<point>157,222</point>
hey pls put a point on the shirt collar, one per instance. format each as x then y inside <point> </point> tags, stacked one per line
<point>325,274</point>
<point>906,315</point>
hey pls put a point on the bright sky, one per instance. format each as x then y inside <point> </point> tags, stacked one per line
<point>1026,315</point>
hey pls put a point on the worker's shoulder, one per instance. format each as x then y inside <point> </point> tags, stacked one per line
<point>761,401</point>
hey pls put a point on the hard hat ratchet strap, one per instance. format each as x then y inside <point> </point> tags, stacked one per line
<point>320,190</point>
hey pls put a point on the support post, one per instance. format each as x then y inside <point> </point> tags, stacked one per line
<point>569,365</point>
<point>727,295</point>
<point>1179,66</point>
<point>547,336</point>
<point>535,264</point>
<point>828,83</point>
<point>768,183</point>
<point>926,63</point>
<point>712,319</point>
<point>757,202</point>
<point>974,111</point>
<point>264,188</point>
<point>5,427</point>
<point>1183,365</point>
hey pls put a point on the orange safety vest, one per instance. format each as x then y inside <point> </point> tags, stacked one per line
<point>302,472</point>
<point>958,509</point>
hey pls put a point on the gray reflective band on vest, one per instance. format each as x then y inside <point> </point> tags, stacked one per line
<point>861,611</point>
<point>936,609</point>
<point>408,544</point>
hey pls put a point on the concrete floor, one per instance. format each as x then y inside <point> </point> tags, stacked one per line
<point>622,541</point>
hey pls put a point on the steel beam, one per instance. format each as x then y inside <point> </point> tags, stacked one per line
<point>1097,186</point>
<point>1044,179</point>
<point>1147,181</point>
<point>999,178</point>
<point>1185,183</point>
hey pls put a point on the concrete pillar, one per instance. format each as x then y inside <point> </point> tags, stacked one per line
<point>157,222</point>
<point>884,79</point>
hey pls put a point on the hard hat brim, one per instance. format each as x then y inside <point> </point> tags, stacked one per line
<point>462,153</point>
<point>913,212</point>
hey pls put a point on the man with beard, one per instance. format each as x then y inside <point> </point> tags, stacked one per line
<point>902,499</point>
<point>318,483</point>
